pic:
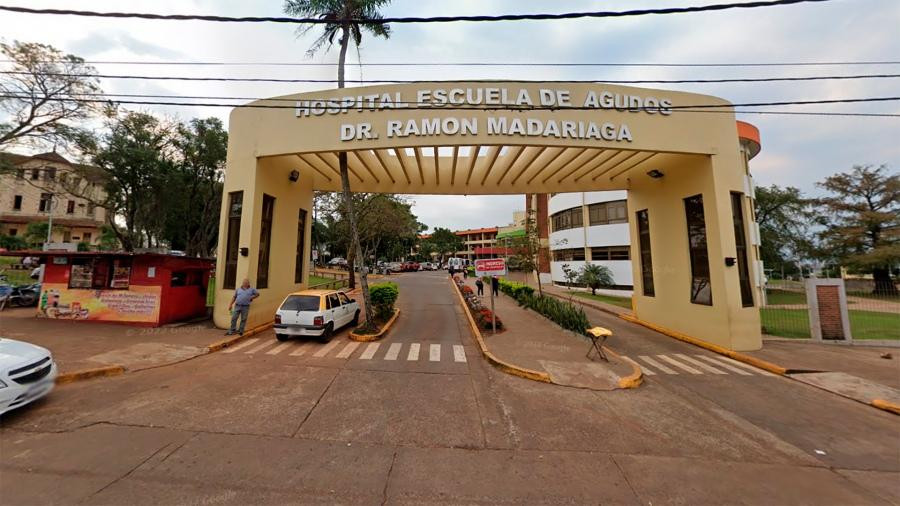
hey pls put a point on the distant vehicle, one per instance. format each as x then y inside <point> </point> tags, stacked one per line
<point>457,263</point>
<point>316,313</point>
<point>410,267</point>
<point>27,373</point>
<point>395,267</point>
<point>428,266</point>
<point>338,262</point>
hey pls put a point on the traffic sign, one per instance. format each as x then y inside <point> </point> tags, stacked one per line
<point>490,267</point>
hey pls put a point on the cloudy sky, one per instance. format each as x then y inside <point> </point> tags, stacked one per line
<point>797,150</point>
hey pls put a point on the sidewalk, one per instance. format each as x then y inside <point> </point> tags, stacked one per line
<point>87,345</point>
<point>531,341</point>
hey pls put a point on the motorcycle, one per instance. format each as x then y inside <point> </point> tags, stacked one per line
<point>21,295</point>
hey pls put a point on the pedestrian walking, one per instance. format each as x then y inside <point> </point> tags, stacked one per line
<point>495,285</point>
<point>240,306</point>
<point>451,269</point>
<point>480,285</point>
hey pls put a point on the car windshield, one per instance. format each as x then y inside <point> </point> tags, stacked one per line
<point>301,303</point>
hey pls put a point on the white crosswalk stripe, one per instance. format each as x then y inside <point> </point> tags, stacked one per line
<point>679,364</point>
<point>657,365</point>
<point>459,353</point>
<point>260,347</point>
<point>393,351</point>
<point>246,343</point>
<point>325,350</point>
<point>644,369</point>
<point>369,351</point>
<point>413,352</point>
<point>350,348</point>
<point>701,365</point>
<point>303,348</point>
<point>434,353</point>
<point>695,365</point>
<point>278,349</point>
<point>724,365</point>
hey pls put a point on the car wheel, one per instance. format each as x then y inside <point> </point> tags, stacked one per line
<point>328,333</point>
<point>355,320</point>
<point>282,337</point>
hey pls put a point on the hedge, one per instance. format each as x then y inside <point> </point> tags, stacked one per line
<point>515,290</point>
<point>383,297</point>
<point>565,314</point>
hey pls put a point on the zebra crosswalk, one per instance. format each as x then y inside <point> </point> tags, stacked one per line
<point>680,363</point>
<point>345,350</point>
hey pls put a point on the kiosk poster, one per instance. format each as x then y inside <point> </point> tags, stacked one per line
<point>136,304</point>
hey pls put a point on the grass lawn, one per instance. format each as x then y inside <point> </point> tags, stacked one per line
<point>779,297</point>
<point>863,324</point>
<point>609,299</point>
<point>316,280</point>
<point>15,277</point>
<point>875,296</point>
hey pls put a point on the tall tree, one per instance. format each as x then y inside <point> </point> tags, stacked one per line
<point>862,224</point>
<point>342,18</point>
<point>136,156</point>
<point>39,95</point>
<point>527,248</point>
<point>785,221</point>
<point>444,242</point>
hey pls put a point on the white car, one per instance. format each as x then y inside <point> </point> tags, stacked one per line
<point>27,373</point>
<point>316,313</point>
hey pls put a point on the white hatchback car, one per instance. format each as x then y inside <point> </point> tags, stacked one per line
<point>27,373</point>
<point>316,313</point>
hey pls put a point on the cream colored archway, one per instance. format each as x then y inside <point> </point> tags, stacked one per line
<point>600,137</point>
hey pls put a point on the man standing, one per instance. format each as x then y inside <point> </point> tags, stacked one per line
<point>240,306</point>
<point>480,285</point>
<point>495,285</point>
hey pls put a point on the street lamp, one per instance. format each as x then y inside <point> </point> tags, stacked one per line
<point>50,204</point>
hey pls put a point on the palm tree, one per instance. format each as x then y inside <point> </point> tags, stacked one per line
<point>595,276</point>
<point>342,18</point>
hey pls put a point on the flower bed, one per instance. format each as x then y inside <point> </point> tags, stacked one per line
<point>481,314</point>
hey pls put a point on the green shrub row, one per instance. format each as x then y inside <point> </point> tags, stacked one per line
<point>565,314</point>
<point>515,290</point>
<point>383,297</point>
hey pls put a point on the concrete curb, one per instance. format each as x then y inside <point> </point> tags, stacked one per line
<point>228,341</point>
<point>84,374</point>
<point>500,364</point>
<point>634,379</point>
<point>747,359</point>
<point>886,406</point>
<point>588,304</point>
<point>365,338</point>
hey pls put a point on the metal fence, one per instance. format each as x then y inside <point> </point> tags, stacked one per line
<point>872,316</point>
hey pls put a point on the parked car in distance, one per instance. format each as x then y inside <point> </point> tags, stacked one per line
<point>27,373</point>
<point>315,313</point>
<point>338,262</point>
<point>427,266</point>
<point>410,266</point>
<point>395,267</point>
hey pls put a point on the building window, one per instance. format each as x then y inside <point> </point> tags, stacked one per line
<point>100,273</point>
<point>300,260</point>
<point>35,174</point>
<point>17,203</point>
<point>20,174</point>
<point>643,226</point>
<point>70,207</point>
<point>570,218</point>
<point>235,206</point>
<point>701,289</point>
<point>13,232</point>
<point>265,242</point>
<point>86,237</point>
<point>91,207</point>
<point>49,174</point>
<point>611,253</point>
<point>44,204</point>
<point>569,255</point>
<point>740,241</point>
<point>605,213</point>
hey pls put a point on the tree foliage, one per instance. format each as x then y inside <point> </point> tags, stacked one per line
<point>38,95</point>
<point>860,220</point>
<point>443,242</point>
<point>595,276</point>
<point>785,221</point>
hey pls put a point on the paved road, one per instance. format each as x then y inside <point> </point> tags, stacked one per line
<point>312,423</point>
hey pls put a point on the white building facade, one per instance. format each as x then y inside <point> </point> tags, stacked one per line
<point>590,227</point>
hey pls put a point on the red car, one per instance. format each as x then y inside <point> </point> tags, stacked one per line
<point>410,267</point>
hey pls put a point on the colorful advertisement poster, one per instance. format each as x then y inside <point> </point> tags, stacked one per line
<point>136,304</point>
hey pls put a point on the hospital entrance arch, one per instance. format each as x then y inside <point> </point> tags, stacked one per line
<point>690,213</point>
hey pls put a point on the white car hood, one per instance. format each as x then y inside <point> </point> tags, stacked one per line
<point>14,353</point>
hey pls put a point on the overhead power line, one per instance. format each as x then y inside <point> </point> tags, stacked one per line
<point>386,20</point>
<point>415,81</point>
<point>481,64</point>
<point>710,108</point>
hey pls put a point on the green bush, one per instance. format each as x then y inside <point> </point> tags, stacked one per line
<point>515,290</point>
<point>383,297</point>
<point>565,314</point>
<point>12,242</point>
